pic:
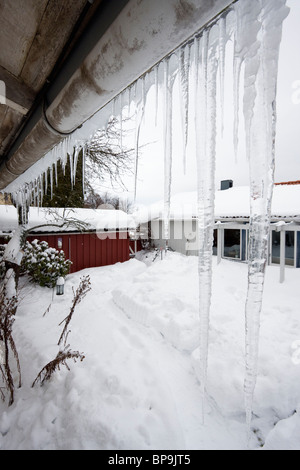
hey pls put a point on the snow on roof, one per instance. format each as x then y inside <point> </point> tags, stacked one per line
<point>71,219</point>
<point>230,203</point>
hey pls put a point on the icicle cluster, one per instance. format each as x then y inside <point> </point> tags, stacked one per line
<point>198,67</point>
<point>37,179</point>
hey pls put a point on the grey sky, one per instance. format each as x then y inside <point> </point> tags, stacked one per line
<point>288,124</point>
<point>151,164</point>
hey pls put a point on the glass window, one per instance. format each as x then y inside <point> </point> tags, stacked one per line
<point>275,247</point>
<point>215,244</point>
<point>232,243</point>
<point>289,248</point>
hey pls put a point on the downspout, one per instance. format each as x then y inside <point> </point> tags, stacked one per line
<point>142,35</point>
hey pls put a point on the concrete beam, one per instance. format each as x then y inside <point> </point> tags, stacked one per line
<point>142,35</point>
<point>18,95</point>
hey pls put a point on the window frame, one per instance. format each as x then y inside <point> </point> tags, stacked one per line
<point>294,265</point>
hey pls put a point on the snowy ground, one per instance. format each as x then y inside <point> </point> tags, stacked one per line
<point>137,387</point>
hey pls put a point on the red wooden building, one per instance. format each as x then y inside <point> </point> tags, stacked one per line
<point>89,238</point>
<point>87,250</point>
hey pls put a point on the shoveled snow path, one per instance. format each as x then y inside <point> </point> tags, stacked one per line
<point>132,391</point>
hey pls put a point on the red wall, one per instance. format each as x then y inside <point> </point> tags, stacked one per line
<point>86,250</point>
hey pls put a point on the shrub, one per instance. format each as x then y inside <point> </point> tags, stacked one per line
<point>2,264</point>
<point>44,264</point>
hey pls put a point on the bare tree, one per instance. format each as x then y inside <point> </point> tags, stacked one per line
<point>107,158</point>
<point>107,201</point>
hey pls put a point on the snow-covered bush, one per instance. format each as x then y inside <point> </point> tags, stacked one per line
<point>44,264</point>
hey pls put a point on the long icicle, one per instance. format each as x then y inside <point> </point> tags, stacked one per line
<point>206,106</point>
<point>260,122</point>
<point>168,123</point>
<point>222,55</point>
<point>183,65</point>
<point>138,122</point>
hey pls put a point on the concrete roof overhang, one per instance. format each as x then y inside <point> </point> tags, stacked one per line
<point>62,61</point>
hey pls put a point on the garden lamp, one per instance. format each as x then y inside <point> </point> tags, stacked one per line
<point>60,284</point>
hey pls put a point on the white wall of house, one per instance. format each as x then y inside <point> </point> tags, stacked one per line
<point>232,241</point>
<point>182,235</point>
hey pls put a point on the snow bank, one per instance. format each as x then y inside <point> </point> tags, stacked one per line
<point>138,386</point>
<point>152,301</point>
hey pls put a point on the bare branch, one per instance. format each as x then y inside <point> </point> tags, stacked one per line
<point>107,157</point>
<point>80,293</point>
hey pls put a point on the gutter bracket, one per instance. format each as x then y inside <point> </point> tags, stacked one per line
<point>49,125</point>
<point>9,171</point>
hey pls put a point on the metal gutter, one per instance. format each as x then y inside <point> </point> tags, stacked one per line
<point>70,59</point>
<point>143,33</point>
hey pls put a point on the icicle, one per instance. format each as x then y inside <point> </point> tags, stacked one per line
<point>261,64</point>
<point>236,102</point>
<point>71,161</point>
<point>168,124</point>
<point>121,122</point>
<point>83,169</point>
<point>46,182</point>
<point>76,153</point>
<point>184,61</point>
<point>51,181</point>
<point>38,191</point>
<point>34,194</point>
<point>128,91</point>
<point>245,52</point>
<point>41,189</point>
<point>139,116</point>
<point>156,82</point>
<point>138,122</point>
<point>206,106</point>
<point>114,107</point>
<point>222,55</point>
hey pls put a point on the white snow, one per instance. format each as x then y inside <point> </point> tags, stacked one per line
<point>12,252</point>
<point>94,219</point>
<point>138,387</point>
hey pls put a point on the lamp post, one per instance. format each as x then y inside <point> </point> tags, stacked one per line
<point>60,285</point>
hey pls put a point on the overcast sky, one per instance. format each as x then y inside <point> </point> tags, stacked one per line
<point>151,165</point>
<point>288,102</point>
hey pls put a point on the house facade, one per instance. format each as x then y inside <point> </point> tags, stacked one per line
<point>231,229</point>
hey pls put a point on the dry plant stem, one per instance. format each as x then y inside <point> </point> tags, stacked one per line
<point>65,354</point>
<point>8,307</point>
<point>80,293</point>
<point>61,358</point>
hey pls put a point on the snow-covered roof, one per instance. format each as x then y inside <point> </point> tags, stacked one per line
<point>229,203</point>
<point>235,202</point>
<point>93,219</point>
